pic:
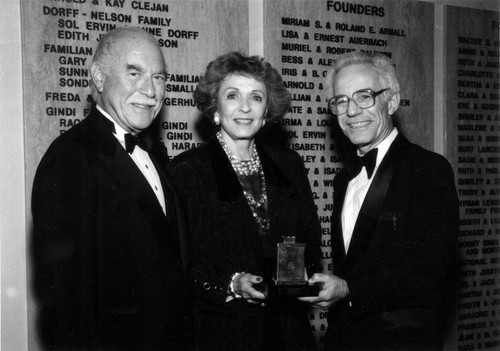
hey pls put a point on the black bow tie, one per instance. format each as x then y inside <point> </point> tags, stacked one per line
<point>368,160</point>
<point>143,140</point>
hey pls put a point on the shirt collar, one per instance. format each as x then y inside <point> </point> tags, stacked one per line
<point>384,146</point>
<point>119,131</point>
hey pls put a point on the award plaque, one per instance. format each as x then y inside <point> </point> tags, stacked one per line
<point>291,271</point>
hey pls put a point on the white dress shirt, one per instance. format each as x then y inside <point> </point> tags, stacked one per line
<point>357,189</point>
<point>142,160</point>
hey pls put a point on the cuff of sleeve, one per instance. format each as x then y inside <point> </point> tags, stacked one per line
<point>232,294</point>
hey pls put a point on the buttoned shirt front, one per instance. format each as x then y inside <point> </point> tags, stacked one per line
<point>142,160</point>
<point>357,189</point>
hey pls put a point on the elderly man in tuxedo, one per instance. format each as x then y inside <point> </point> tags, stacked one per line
<point>395,223</point>
<point>108,235</point>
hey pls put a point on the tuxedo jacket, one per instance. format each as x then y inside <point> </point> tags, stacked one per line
<point>400,266</point>
<point>107,260</point>
<point>226,240</point>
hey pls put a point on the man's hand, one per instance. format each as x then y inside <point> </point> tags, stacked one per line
<point>333,290</point>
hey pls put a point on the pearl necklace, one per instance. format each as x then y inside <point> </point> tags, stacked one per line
<point>245,168</point>
<point>262,222</point>
<point>249,168</point>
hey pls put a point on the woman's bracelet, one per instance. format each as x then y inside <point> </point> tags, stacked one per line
<point>231,286</point>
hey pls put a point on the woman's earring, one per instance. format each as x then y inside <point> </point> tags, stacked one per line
<point>216,119</point>
<point>264,118</point>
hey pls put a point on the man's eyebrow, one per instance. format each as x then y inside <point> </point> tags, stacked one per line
<point>133,67</point>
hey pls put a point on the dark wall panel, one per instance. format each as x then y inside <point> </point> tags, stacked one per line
<point>473,148</point>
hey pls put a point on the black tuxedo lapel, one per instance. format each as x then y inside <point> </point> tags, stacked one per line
<point>132,180</point>
<point>338,248</point>
<point>370,210</point>
<point>176,216</point>
<point>121,166</point>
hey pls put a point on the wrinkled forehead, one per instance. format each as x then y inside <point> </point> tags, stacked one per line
<point>356,77</point>
<point>141,50</point>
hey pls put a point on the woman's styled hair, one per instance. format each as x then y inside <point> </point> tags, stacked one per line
<point>207,92</point>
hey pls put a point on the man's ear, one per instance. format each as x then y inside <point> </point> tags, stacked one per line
<point>98,76</point>
<point>393,103</point>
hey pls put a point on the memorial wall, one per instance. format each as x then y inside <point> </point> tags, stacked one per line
<point>473,148</point>
<point>302,39</point>
<point>59,39</point>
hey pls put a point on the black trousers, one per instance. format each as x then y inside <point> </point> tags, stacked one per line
<point>399,331</point>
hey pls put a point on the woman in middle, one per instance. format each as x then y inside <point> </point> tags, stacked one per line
<point>242,197</point>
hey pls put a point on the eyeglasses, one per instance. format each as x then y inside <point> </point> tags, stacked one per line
<point>364,98</point>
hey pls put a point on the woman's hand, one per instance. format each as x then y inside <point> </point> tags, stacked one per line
<point>244,285</point>
<point>333,290</point>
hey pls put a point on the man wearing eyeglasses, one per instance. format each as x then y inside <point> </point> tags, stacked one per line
<point>395,223</point>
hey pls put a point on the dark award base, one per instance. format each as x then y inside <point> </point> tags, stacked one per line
<point>293,290</point>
